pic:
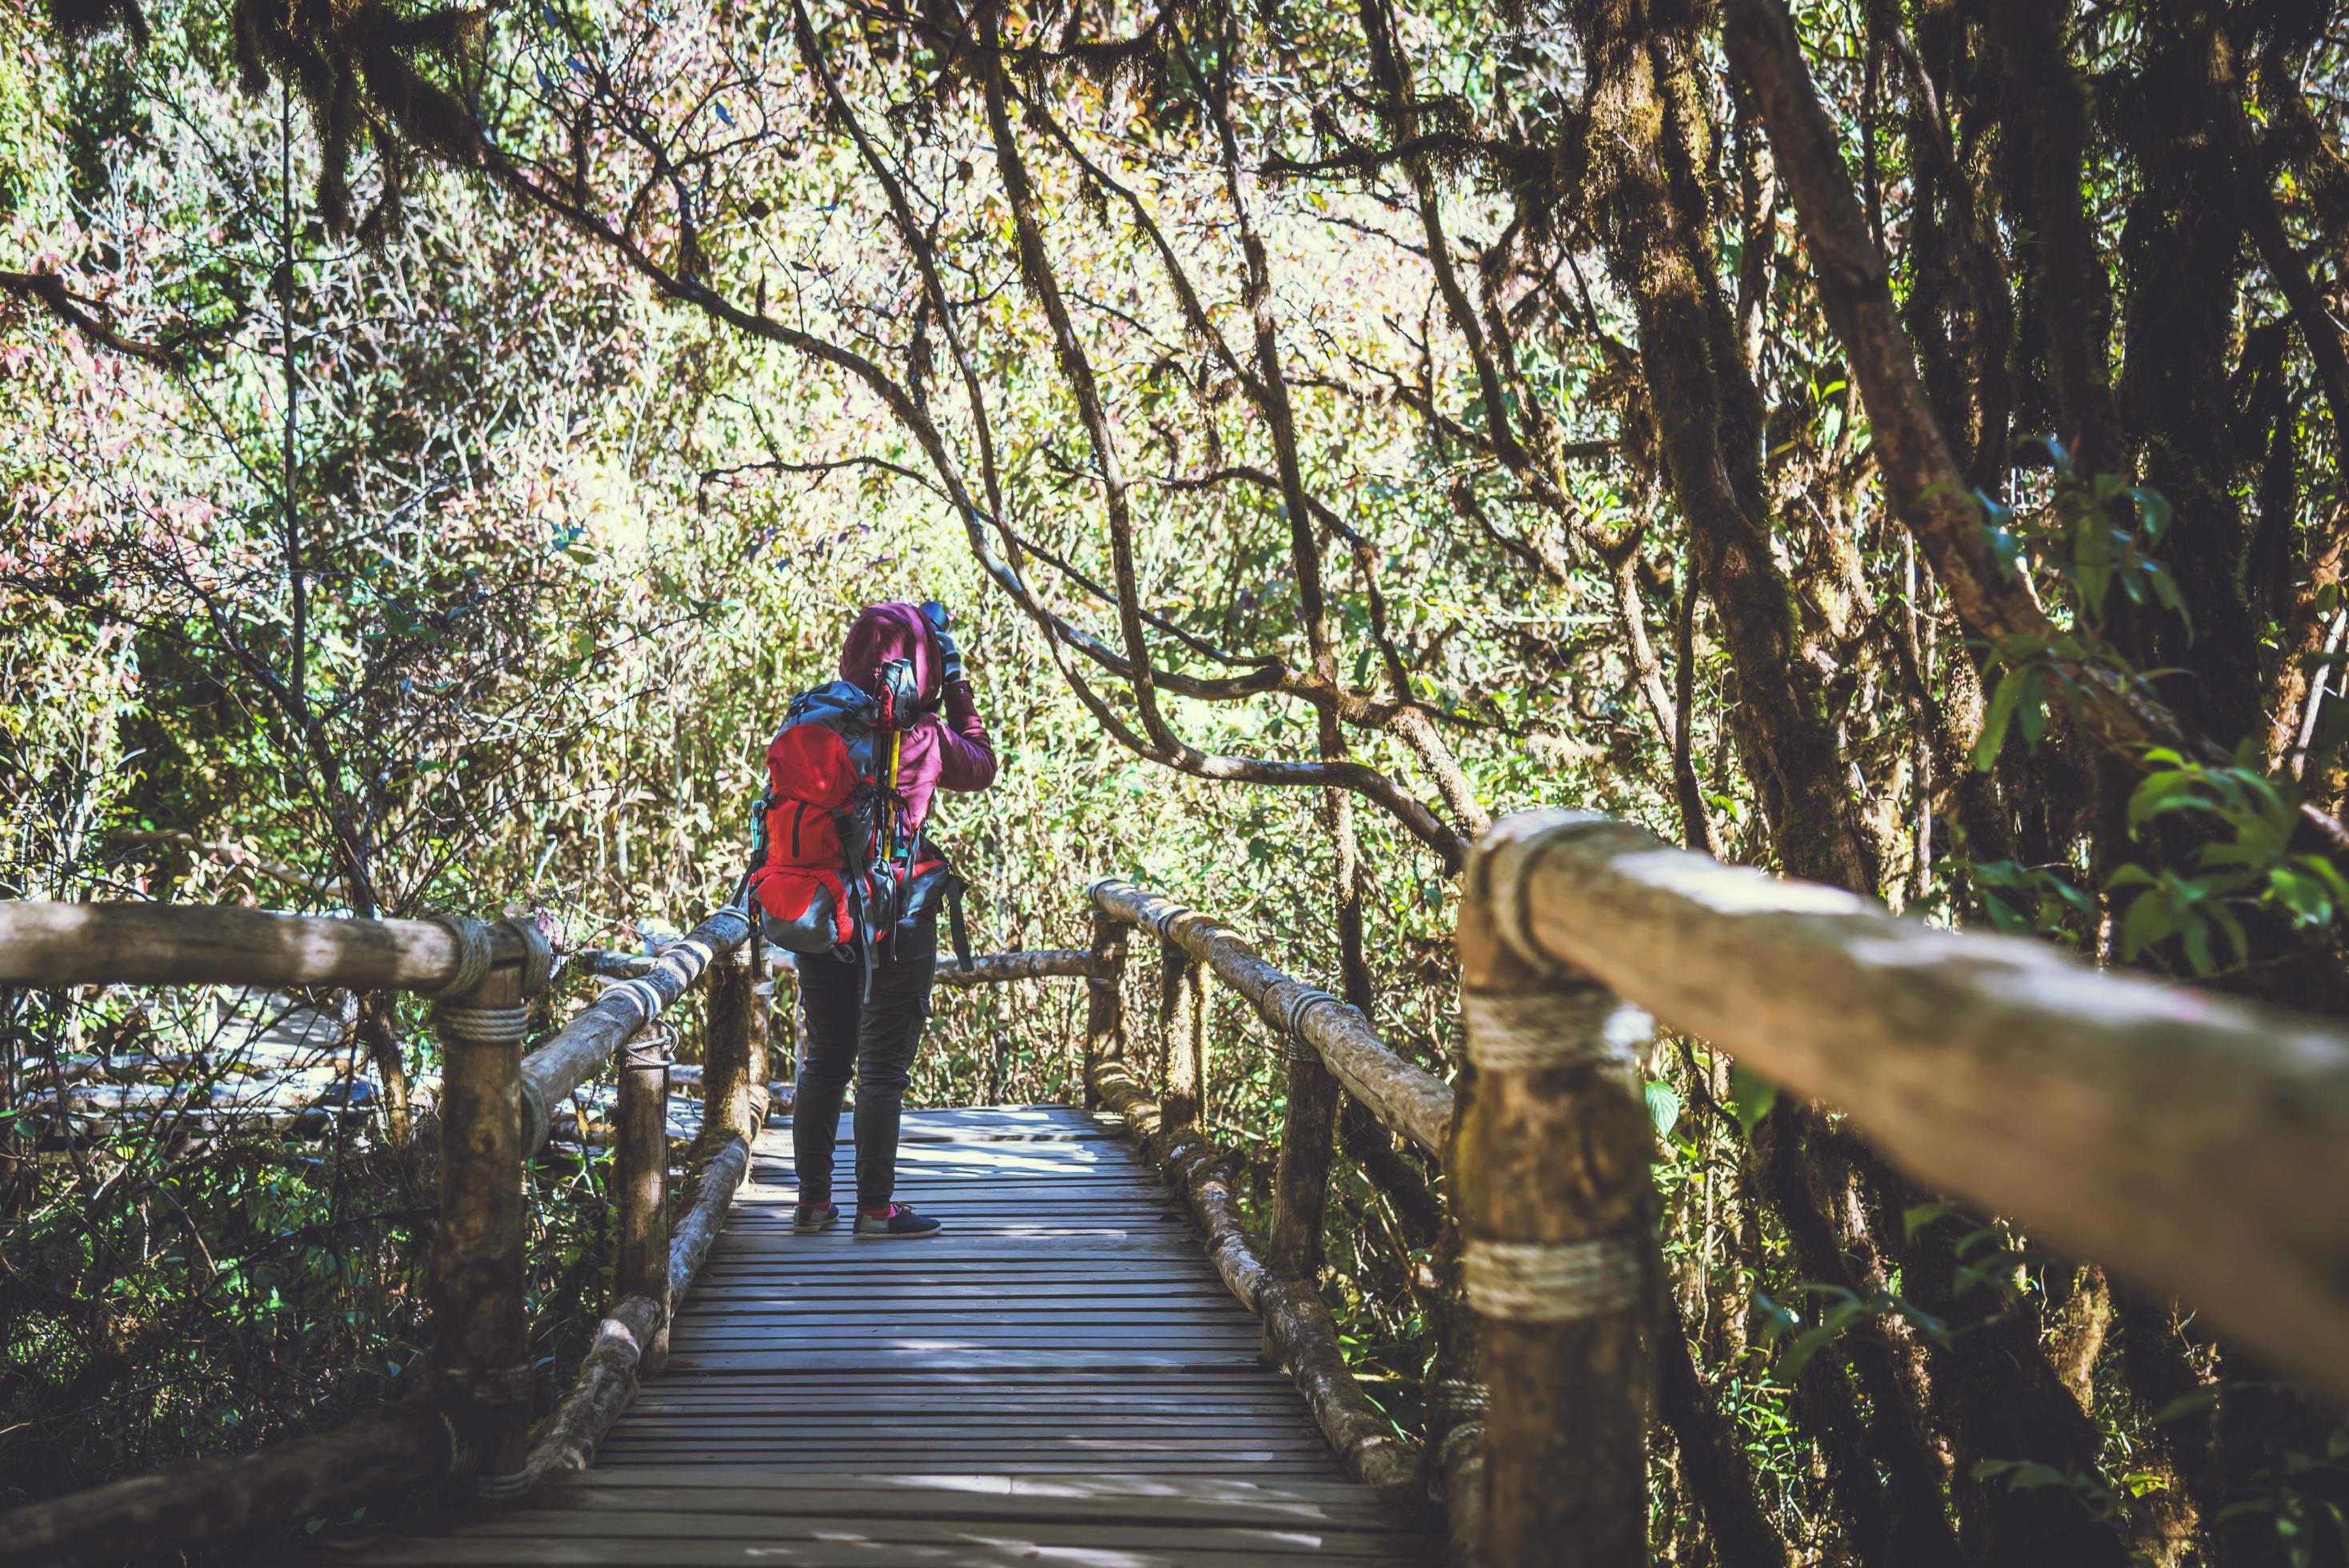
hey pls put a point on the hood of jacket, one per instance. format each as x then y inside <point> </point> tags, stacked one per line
<point>886,632</point>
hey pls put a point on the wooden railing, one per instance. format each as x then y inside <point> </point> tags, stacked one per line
<point>2195,1145</point>
<point>471,1429</point>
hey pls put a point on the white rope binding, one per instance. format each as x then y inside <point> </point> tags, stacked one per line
<point>1526,1031</point>
<point>482,1026</point>
<point>643,993</point>
<point>1552,1281</point>
<point>471,940</point>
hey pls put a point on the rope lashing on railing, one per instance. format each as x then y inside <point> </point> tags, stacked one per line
<point>655,1046</point>
<point>1530,1031</point>
<point>502,1025</point>
<point>1457,1407</point>
<point>1552,1281</point>
<point>474,953</point>
<point>1286,1006</point>
<point>1458,1398</point>
<point>491,1384</point>
<point>642,992</point>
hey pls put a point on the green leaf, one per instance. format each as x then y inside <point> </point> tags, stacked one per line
<point>1751,1096</point>
<point>2149,918</point>
<point>2020,1475</point>
<point>1663,1105</point>
<point>2004,546</point>
<point>2031,708</point>
<point>2170,790</point>
<point>1917,1216</point>
<point>1994,723</point>
<point>2196,933</point>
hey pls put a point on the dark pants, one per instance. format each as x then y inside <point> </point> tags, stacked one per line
<point>875,1037</point>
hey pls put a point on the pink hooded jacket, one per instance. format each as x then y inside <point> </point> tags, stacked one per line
<point>942,751</point>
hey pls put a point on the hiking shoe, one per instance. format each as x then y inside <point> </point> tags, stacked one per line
<point>897,1221</point>
<point>809,1218</point>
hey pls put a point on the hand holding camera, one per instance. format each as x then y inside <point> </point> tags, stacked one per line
<point>949,655</point>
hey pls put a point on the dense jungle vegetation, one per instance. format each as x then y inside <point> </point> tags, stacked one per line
<point>1894,442</point>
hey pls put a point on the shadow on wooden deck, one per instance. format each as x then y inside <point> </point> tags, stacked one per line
<point>1058,1377</point>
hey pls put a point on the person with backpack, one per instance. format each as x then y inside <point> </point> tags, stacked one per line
<point>845,874</point>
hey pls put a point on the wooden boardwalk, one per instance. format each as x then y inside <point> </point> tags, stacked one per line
<point>1057,1379</point>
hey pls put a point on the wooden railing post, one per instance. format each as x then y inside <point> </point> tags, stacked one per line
<point>1457,1395</point>
<point>1300,1185</point>
<point>734,1070</point>
<point>481,1335</point>
<point>1550,1184</point>
<point>640,1178</point>
<point>1104,1036</point>
<point>1182,1017</point>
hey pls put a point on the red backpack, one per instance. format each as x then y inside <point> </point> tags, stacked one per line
<point>832,858</point>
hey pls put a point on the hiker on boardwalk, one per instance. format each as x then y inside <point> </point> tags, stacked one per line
<point>844,876</point>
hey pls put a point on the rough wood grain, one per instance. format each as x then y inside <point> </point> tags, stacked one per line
<point>2195,1145</point>
<point>58,944</point>
<point>720,1179</point>
<point>570,1058</point>
<point>609,1374</point>
<point>1104,1007</point>
<point>481,1330</point>
<point>605,1384</point>
<point>995,969</point>
<point>1298,1327</point>
<point>640,1185</point>
<point>1550,1188</point>
<point>1412,1101</point>
<point>203,1499</point>
<point>734,1050</point>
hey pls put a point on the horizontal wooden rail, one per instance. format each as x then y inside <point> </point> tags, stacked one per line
<point>608,1376</point>
<point>1410,1100</point>
<point>2195,1145</point>
<point>998,968</point>
<point>59,944</point>
<point>1298,1329</point>
<point>202,1499</point>
<point>568,1059</point>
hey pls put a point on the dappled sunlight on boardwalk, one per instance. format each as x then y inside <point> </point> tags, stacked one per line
<point>1058,1377</point>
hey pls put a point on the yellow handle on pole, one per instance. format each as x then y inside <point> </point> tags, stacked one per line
<point>888,836</point>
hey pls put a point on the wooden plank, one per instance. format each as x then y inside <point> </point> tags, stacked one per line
<point>1134,1499</point>
<point>1123,1486</point>
<point>1229,1431</point>
<point>1072,1316</point>
<point>1099,1534</point>
<point>1059,1377</point>
<point>851,1553</point>
<point>967,1359</point>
